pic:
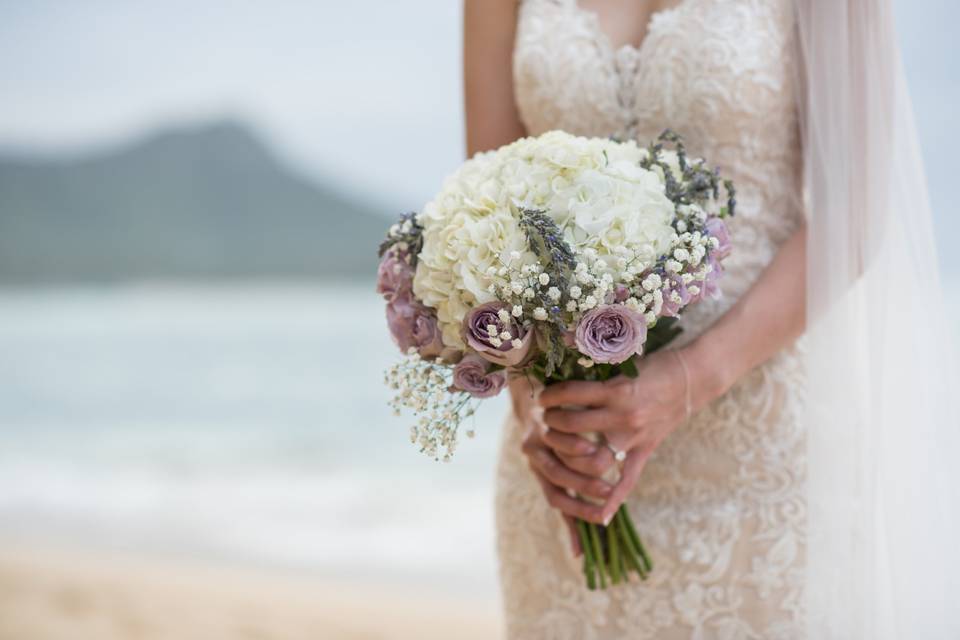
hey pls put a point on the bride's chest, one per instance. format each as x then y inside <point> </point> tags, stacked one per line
<point>718,71</point>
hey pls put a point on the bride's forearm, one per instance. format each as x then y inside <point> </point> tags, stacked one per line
<point>770,316</point>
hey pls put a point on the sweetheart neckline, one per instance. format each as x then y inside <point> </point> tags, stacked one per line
<point>592,18</point>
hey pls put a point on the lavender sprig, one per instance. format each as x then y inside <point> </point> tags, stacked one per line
<point>546,241</point>
<point>558,260</point>
<point>698,181</point>
<point>406,232</point>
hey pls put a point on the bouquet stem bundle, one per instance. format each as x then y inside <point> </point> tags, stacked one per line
<point>612,552</point>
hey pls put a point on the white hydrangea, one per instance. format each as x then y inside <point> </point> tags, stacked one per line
<point>605,204</point>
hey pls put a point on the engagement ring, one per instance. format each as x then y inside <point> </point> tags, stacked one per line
<point>618,455</point>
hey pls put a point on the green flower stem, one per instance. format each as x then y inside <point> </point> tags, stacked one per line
<point>598,554</point>
<point>588,561</point>
<point>636,540</point>
<point>612,553</point>
<point>614,547</point>
<point>624,551</point>
<point>633,556</point>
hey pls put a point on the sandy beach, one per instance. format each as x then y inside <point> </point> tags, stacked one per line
<point>52,593</point>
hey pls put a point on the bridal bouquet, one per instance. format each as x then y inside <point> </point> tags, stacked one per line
<point>555,257</point>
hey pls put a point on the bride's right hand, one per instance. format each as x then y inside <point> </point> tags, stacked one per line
<point>560,483</point>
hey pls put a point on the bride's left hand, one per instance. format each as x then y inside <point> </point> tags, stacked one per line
<point>633,415</point>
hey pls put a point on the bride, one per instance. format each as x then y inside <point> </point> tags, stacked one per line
<point>787,463</point>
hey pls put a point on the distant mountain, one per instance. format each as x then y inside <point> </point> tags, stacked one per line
<point>202,202</point>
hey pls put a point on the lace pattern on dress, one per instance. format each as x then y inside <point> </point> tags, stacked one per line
<point>721,502</point>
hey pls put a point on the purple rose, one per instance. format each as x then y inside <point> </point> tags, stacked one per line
<point>472,374</point>
<point>611,333</point>
<point>476,333</point>
<point>400,317</point>
<point>716,228</point>
<point>394,275</point>
<point>414,325</point>
<point>618,294</point>
<point>671,308</point>
<point>426,333</point>
<point>710,288</point>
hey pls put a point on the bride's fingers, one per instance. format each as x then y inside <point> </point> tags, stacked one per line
<point>574,392</point>
<point>572,507</point>
<point>622,439</point>
<point>583,420</point>
<point>595,465</point>
<point>553,469</point>
<point>569,521</point>
<point>568,444</point>
<point>632,467</point>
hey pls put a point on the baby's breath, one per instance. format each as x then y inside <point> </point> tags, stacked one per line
<point>424,388</point>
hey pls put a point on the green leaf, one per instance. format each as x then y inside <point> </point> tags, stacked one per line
<point>662,334</point>
<point>629,368</point>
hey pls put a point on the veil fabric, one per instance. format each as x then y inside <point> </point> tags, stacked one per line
<point>883,436</point>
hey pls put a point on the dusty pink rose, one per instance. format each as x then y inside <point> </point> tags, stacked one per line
<point>476,334</point>
<point>472,374</point>
<point>710,288</point>
<point>611,333</point>
<point>394,275</point>
<point>671,308</point>
<point>400,316</point>
<point>426,333</point>
<point>716,228</point>
<point>414,325</point>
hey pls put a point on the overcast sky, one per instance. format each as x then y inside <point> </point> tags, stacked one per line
<point>363,94</point>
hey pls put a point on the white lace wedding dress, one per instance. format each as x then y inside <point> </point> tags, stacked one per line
<point>720,505</point>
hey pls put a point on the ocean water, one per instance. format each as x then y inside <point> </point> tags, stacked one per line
<point>244,424</point>
<point>240,424</point>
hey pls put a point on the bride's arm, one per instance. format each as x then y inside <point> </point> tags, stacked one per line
<point>636,414</point>
<point>769,317</point>
<point>491,111</point>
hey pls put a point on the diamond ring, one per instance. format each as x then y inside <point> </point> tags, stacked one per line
<point>618,455</point>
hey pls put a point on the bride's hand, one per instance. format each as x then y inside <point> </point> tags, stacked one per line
<point>633,415</point>
<point>557,479</point>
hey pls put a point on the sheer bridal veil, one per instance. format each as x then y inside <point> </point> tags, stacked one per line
<point>883,555</point>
